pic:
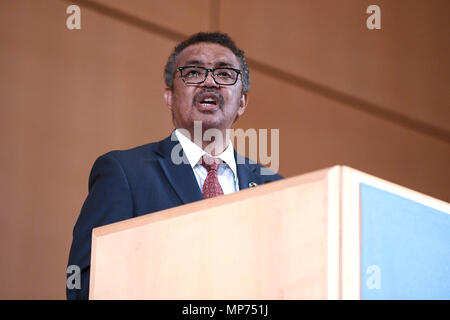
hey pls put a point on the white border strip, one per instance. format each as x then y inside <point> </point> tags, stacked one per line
<point>333,237</point>
<point>356,235</point>
<point>350,232</point>
<point>401,191</point>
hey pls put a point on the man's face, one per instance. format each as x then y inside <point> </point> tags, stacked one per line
<point>216,106</point>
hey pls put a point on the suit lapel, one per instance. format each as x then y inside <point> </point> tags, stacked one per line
<point>180,176</point>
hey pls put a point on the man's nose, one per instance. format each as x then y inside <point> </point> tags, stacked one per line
<point>209,81</point>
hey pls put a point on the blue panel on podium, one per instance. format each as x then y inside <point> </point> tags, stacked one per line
<point>405,248</point>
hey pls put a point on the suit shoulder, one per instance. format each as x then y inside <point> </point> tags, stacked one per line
<point>147,151</point>
<point>265,173</point>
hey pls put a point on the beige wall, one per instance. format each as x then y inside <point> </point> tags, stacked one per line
<point>340,94</point>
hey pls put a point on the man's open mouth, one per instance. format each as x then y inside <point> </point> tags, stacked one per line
<point>208,101</point>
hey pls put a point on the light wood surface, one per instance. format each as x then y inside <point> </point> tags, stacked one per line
<point>268,242</point>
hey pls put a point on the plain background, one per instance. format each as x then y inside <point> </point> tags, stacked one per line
<point>375,100</point>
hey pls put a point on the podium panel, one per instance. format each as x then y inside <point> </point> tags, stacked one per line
<point>336,233</point>
<point>267,242</point>
<point>396,241</point>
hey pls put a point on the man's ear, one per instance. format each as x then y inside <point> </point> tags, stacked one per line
<point>242,104</point>
<point>243,101</point>
<point>168,97</point>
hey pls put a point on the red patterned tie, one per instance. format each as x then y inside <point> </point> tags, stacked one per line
<point>211,186</point>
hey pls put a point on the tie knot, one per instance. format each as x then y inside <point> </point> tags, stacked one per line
<point>210,163</point>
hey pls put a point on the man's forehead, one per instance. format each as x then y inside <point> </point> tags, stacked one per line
<point>205,53</point>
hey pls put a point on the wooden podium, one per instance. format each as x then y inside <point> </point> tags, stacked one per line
<point>322,235</point>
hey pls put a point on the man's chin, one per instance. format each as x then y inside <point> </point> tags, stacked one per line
<point>210,121</point>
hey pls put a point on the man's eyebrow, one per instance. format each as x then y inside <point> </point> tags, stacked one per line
<point>223,64</point>
<point>194,62</point>
<point>201,63</point>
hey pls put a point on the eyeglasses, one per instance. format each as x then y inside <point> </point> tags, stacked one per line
<point>195,75</point>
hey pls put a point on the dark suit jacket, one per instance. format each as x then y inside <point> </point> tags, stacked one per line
<point>127,184</point>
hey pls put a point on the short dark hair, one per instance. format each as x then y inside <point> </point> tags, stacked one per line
<point>211,37</point>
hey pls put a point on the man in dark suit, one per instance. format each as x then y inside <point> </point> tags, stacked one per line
<point>207,82</point>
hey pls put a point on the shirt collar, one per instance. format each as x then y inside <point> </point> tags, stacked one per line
<point>194,153</point>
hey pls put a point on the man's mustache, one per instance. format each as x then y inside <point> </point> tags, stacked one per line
<point>199,96</point>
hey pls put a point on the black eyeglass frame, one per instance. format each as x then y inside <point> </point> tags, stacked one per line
<point>212,73</point>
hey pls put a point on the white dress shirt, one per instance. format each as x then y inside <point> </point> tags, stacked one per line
<point>226,172</point>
